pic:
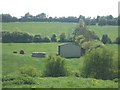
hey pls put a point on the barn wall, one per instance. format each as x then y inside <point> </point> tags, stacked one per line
<point>70,51</point>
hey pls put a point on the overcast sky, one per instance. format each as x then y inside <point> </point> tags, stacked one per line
<point>60,7</point>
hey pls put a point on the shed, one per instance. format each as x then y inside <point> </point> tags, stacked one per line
<point>70,50</point>
<point>38,54</point>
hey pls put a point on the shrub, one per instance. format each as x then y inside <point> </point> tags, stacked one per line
<point>55,67</point>
<point>98,64</point>
<point>105,39</point>
<point>118,40</point>
<point>30,71</point>
<point>17,79</point>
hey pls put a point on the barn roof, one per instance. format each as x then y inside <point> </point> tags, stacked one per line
<point>68,44</point>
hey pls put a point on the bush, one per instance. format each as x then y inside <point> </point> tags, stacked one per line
<point>105,39</point>
<point>55,67</point>
<point>98,64</point>
<point>30,71</point>
<point>17,79</point>
<point>118,40</point>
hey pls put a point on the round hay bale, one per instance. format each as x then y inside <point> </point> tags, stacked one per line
<point>22,52</point>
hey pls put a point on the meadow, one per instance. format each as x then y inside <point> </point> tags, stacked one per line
<point>48,29</point>
<point>12,63</point>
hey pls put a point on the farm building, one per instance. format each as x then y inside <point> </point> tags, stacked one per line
<point>38,54</point>
<point>70,50</point>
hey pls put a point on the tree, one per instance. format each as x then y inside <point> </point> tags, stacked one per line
<point>105,39</point>
<point>118,40</point>
<point>83,30</point>
<point>55,67</point>
<point>37,38</point>
<point>98,64</point>
<point>53,38</point>
<point>62,37</point>
<point>46,39</point>
<point>102,21</point>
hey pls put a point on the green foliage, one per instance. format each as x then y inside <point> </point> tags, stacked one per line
<point>37,38</point>
<point>48,28</point>
<point>92,45</point>
<point>17,80</point>
<point>46,39</point>
<point>55,67</point>
<point>53,38</point>
<point>102,21</point>
<point>105,39</point>
<point>16,37</point>
<point>117,40</point>
<point>30,71</point>
<point>98,64</point>
<point>85,32</point>
<point>62,37</point>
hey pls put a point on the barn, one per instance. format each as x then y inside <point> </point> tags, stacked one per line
<point>70,50</point>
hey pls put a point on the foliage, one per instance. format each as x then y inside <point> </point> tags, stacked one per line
<point>88,46</point>
<point>98,64</point>
<point>46,39</point>
<point>17,80</point>
<point>55,67</point>
<point>102,21</point>
<point>37,38</point>
<point>62,37</point>
<point>85,32</point>
<point>53,38</point>
<point>118,40</point>
<point>42,17</point>
<point>30,71</point>
<point>105,39</point>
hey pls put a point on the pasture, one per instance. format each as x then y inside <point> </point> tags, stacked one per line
<point>48,29</point>
<point>13,62</point>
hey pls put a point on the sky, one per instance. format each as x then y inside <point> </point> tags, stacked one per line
<point>59,8</point>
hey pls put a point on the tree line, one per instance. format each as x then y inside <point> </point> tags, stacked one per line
<point>22,37</point>
<point>42,17</point>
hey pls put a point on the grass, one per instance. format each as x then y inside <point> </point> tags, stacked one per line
<point>13,62</point>
<point>67,82</point>
<point>48,29</point>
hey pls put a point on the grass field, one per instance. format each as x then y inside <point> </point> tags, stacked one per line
<point>12,63</point>
<point>57,28</point>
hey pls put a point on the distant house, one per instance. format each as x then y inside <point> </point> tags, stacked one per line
<point>70,50</point>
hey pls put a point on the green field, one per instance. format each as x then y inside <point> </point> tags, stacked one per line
<point>12,63</point>
<point>49,28</point>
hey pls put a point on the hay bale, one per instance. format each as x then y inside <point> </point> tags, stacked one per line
<point>15,52</point>
<point>22,52</point>
<point>38,54</point>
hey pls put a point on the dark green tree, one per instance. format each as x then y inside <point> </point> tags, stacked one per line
<point>105,39</point>
<point>62,37</point>
<point>37,38</point>
<point>53,38</point>
<point>98,64</point>
<point>55,67</point>
<point>102,21</point>
<point>118,40</point>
